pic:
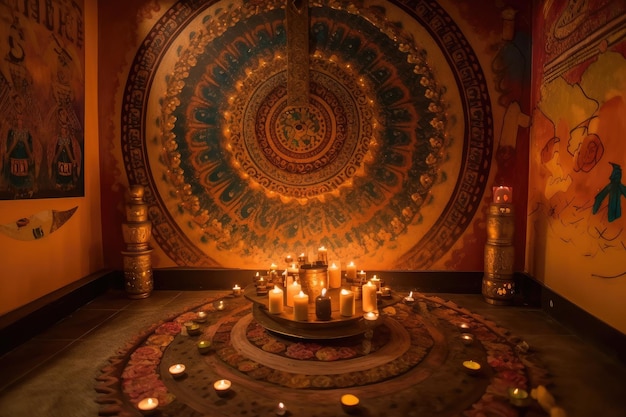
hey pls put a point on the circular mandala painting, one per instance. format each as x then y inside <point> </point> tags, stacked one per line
<point>383,159</point>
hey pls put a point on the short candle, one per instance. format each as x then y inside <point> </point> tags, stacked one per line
<point>177,370</point>
<point>323,309</point>
<point>471,366</point>
<point>467,338</point>
<point>204,346</point>
<point>148,404</point>
<point>202,316</point>
<point>220,305</point>
<point>222,386</point>
<point>349,402</point>
<point>236,290</point>
<point>409,298</point>
<point>346,303</point>
<point>518,397</point>
<point>281,409</point>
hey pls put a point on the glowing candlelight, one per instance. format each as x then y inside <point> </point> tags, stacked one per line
<point>471,367</point>
<point>334,276</point>
<point>346,303</point>
<point>201,317</point>
<point>368,292</point>
<point>409,298</point>
<point>222,387</point>
<point>323,310</point>
<point>518,397</point>
<point>204,346</point>
<point>322,255</point>
<point>281,409</point>
<point>236,290</point>
<point>349,402</point>
<point>293,289</point>
<point>467,338</point>
<point>276,301</point>
<point>351,271</point>
<point>376,281</point>
<point>177,370</point>
<point>147,405</point>
<point>220,305</point>
<point>301,307</point>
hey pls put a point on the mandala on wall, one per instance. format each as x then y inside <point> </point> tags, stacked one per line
<point>374,168</point>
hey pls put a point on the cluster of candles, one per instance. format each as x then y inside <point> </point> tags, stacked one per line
<point>294,296</point>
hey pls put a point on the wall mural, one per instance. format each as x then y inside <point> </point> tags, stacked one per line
<point>385,163</point>
<point>41,99</point>
<point>579,131</point>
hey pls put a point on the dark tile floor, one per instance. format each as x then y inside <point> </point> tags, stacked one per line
<point>54,373</point>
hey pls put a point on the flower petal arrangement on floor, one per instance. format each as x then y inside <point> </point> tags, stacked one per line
<point>429,358</point>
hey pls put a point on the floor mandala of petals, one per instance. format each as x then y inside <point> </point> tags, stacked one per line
<point>409,364</point>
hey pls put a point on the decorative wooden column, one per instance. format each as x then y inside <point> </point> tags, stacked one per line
<point>137,231</point>
<point>498,283</point>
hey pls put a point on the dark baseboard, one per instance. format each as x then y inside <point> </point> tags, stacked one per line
<point>585,325</point>
<point>22,324</point>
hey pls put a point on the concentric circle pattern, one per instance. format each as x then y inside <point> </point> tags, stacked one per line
<point>411,362</point>
<point>351,169</point>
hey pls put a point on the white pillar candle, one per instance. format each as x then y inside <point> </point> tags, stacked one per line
<point>334,276</point>
<point>369,297</point>
<point>346,303</point>
<point>276,301</point>
<point>351,271</point>
<point>301,307</point>
<point>292,290</point>
<point>376,281</point>
<point>322,255</point>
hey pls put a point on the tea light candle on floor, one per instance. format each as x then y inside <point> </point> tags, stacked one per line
<point>334,276</point>
<point>467,338</point>
<point>369,297</point>
<point>148,405</point>
<point>301,307</point>
<point>220,305</point>
<point>464,326</point>
<point>518,397</point>
<point>177,370</point>
<point>201,317</point>
<point>281,409</point>
<point>276,301</point>
<point>204,346</point>
<point>236,290</point>
<point>346,303</point>
<point>350,403</point>
<point>471,367</point>
<point>222,387</point>
<point>292,289</point>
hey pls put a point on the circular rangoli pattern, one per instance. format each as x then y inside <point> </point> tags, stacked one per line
<point>411,365</point>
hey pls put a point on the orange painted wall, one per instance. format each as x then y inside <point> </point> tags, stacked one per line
<point>32,269</point>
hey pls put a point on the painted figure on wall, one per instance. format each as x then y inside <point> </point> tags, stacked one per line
<point>578,146</point>
<point>41,68</point>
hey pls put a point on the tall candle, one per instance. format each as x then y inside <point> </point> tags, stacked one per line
<point>369,297</point>
<point>346,303</point>
<point>322,255</point>
<point>276,301</point>
<point>351,271</point>
<point>292,290</point>
<point>301,307</point>
<point>323,309</point>
<point>376,281</point>
<point>334,276</point>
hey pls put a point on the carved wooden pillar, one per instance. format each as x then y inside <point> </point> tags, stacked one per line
<point>137,231</point>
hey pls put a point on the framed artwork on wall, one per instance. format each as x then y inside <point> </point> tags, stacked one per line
<point>41,100</point>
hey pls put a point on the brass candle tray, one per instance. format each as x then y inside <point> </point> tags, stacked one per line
<point>337,327</point>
